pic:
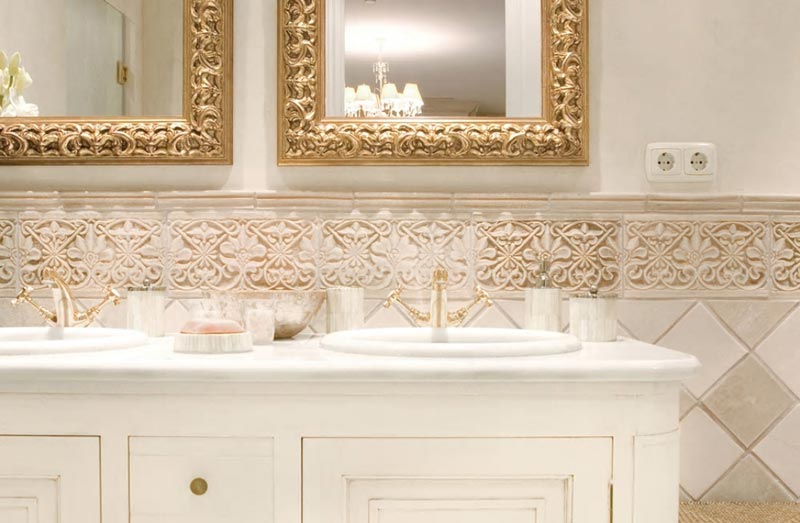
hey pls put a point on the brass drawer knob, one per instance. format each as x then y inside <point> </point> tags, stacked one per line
<point>198,486</point>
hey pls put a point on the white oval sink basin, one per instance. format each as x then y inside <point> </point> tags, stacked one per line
<point>450,343</point>
<point>18,341</point>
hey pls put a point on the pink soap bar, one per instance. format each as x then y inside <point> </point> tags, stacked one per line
<point>212,327</point>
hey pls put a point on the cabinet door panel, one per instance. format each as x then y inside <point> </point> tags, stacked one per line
<point>49,479</point>
<point>530,480</point>
<point>236,476</point>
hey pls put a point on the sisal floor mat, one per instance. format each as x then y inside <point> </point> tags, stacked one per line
<point>740,513</point>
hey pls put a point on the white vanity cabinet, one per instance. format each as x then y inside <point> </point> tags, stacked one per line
<point>457,480</point>
<point>296,435</point>
<point>200,480</point>
<point>49,479</point>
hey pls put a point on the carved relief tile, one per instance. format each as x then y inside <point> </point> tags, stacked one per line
<point>137,245</point>
<point>232,254</point>
<point>44,244</point>
<point>785,255</point>
<point>8,252</point>
<point>418,247</point>
<point>241,253</point>
<point>195,256</point>
<point>93,252</point>
<point>354,253</point>
<point>695,255</point>
<point>289,261</point>
<point>582,253</point>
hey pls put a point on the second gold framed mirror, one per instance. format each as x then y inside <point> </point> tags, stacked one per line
<point>433,82</point>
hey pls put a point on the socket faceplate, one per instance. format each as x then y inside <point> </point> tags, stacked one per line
<point>681,162</point>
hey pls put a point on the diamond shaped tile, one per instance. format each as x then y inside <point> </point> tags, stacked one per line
<point>687,401</point>
<point>515,310</point>
<point>19,315</point>
<point>751,320</point>
<point>319,323</point>
<point>749,481</point>
<point>493,317</point>
<point>112,317</point>
<point>779,351</point>
<point>747,400</point>
<point>706,452</point>
<point>701,334</point>
<point>780,450</point>
<point>647,320</point>
<point>177,315</point>
<point>380,316</point>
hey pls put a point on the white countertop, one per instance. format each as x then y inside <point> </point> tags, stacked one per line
<point>302,360</point>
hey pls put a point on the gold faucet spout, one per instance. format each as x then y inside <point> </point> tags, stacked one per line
<point>66,313</point>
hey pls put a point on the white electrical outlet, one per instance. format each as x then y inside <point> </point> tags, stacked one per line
<point>681,162</point>
<point>700,160</point>
<point>667,161</point>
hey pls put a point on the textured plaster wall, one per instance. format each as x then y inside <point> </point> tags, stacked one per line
<point>719,71</point>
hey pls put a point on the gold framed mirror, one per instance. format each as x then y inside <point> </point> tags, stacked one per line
<point>145,82</point>
<point>330,114</point>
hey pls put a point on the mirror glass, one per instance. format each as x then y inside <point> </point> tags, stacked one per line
<point>433,58</point>
<point>91,58</point>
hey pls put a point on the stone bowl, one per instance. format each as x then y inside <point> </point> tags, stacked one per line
<point>294,310</point>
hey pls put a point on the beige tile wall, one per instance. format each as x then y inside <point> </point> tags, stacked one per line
<point>719,279</point>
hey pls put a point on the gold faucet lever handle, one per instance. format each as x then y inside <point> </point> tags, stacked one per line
<point>458,317</point>
<point>419,317</point>
<point>25,296</point>
<point>112,296</point>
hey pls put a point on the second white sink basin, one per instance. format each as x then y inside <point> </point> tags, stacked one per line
<point>18,341</point>
<point>450,343</point>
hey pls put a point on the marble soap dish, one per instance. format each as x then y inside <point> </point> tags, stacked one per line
<point>213,337</point>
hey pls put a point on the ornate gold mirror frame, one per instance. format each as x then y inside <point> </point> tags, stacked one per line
<point>202,135</point>
<point>307,137</point>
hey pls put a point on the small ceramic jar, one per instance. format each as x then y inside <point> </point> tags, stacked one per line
<point>593,317</point>
<point>146,309</point>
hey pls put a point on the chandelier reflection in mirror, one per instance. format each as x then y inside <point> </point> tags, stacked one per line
<point>387,102</point>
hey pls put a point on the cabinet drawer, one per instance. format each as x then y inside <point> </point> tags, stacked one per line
<point>453,480</point>
<point>49,479</point>
<point>201,480</point>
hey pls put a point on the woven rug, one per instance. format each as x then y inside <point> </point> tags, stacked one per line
<point>740,513</point>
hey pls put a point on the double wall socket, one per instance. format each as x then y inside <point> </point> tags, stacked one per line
<point>681,162</point>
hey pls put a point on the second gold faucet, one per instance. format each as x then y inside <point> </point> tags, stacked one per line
<point>438,315</point>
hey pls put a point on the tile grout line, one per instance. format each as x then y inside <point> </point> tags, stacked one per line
<point>722,476</point>
<point>777,325</point>
<point>680,318</point>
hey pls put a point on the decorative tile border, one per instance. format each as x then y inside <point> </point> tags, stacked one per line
<point>695,254</point>
<point>785,255</point>
<point>247,241</point>
<point>583,253</point>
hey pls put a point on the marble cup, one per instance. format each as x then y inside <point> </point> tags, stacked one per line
<point>146,310</point>
<point>543,309</point>
<point>345,309</point>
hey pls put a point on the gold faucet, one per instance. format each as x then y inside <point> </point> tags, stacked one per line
<point>66,313</point>
<point>438,316</point>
